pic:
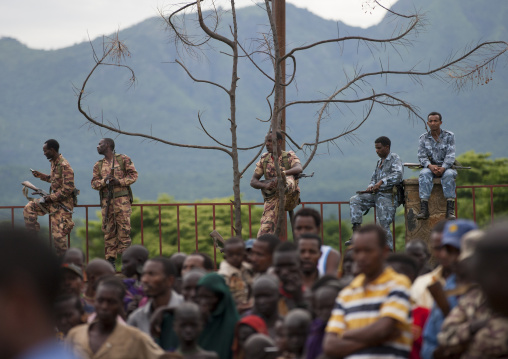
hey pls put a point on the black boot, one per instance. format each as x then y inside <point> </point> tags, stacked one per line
<point>356,226</point>
<point>424,210</point>
<point>450,209</point>
<point>112,260</point>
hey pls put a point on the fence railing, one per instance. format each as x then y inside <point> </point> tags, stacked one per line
<point>335,211</point>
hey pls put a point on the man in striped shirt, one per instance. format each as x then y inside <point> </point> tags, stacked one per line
<point>372,316</point>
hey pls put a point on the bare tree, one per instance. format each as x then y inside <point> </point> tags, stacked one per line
<point>473,64</point>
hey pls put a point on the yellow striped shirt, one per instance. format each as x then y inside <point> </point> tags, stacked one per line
<point>358,306</point>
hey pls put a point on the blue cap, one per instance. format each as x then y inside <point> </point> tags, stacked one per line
<point>249,243</point>
<point>454,230</point>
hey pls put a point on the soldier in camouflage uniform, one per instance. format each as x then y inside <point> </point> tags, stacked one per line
<point>266,167</point>
<point>61,192</point>
<point>117,224</point>
<point>472,329</point>
<point>436,154</point>
<point>380,192</point>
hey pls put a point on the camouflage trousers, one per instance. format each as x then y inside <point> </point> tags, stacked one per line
<point>61,222</point>
<point>117,227</point>
<point>385,210</point>
<point>271,208</point>
<point>447,181</point>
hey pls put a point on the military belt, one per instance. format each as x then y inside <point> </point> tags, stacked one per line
<point>117,194</point>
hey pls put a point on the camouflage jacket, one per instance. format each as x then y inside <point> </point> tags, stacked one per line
<point>390,172</point>
<point>61,179</point>
<point>441,152</point>
<point>270,166</point>
<point>126,178</point>
<point>490,340</point>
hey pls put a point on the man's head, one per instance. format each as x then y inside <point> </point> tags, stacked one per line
<point>234,251</point>
<point>382,145</point>
<point>188,322</point>
<point>178,259</point>
<point>69,312</point>
<point>29,284</point>
<point>286,263</point>
<point>95,270</point>
<point>72,279</point>
<point>419,250</point>
<point>268,141</point>
<point>451,242</point>
<point>105,145</point>
<point>50,149</point>
<point>265,291</point>
<point>306,220</point>
<point>490,263</point>
<point>109,299</point>
<point>370,250</point>
<point>260,346</point>
<point>158,277</point>
<point>189,284</point>
<point>197,260</point>
<point>403,264</point>
<point>434,121</point>
<point>309,248</point>
<point>74,256</point>
<point>436,235</point>
<point>325,291</point>
<point>133,260</point>
<point>262,252</point>
<point>297,324</point>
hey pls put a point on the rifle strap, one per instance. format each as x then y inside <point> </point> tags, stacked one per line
<point>285,162</point>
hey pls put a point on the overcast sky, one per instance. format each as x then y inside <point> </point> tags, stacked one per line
<point>53,24</point>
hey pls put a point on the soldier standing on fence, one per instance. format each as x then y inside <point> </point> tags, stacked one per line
<point>290,166</point>
<point>112,177</point>
<point>381,192</point>
<point>436,154</point>
<point>59,203</point>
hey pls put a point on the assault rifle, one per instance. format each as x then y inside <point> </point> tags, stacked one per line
<point>415,166</point>
<point>271,192</point>
<point>42,193</point>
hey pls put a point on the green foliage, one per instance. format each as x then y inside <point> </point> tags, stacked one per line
<point>172,234</point>
<point>484,171</point>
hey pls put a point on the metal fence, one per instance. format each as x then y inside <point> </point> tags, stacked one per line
<point>335,210</point>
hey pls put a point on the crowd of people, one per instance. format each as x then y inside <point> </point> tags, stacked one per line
<point>268,298</point>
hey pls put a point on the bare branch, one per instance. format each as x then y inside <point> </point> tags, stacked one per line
<point>115,50</point>
<point>253,159</point>
<point>203,81</point>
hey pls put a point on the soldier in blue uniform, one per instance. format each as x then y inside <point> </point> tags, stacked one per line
<point>436,154</point>
<point>381,192</point>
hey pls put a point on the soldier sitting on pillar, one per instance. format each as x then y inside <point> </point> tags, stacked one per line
<point>436,154</point>
<point>381,192</point>
<point>290,166</point>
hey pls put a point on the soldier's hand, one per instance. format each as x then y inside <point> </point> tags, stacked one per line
<point>369,189</point>
<point>36,174</point>
<point>47,199</point>
<point>441,170</point>
<point>112,180</point>
<point>271,184</point>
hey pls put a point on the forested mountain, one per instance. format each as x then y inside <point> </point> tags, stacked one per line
<point>37,102</point>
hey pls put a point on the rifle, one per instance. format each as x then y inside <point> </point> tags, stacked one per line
<point>217,238</point>
<point>42,193</point>
<point>111,194</point>
<point>417,166</point>
<point>270,193</point>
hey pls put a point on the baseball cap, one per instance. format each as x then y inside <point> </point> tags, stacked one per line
<point>73,268</point>
<point>249,243</point>
<point>454,230</point>
<point>469,242</point>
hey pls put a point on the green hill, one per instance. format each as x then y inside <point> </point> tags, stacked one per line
<point>37,102</point>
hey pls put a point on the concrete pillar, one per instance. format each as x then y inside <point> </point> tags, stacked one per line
<point>420,229</point>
